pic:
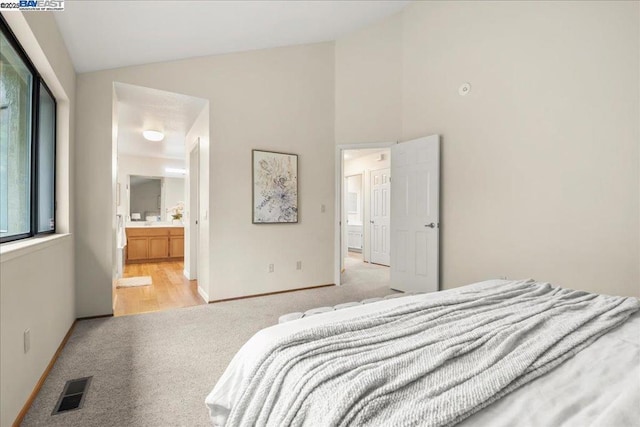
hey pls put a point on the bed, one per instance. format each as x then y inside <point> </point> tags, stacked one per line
<point>494,353</point>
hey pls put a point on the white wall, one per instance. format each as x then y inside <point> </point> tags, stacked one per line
<point>174,192</point>
<point>368,84</point>
<point>40,299</point>
<point>540,162</point>
<point>277,99</point>
<point>369,162</point>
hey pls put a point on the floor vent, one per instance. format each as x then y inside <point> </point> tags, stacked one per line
<point>72,396</point>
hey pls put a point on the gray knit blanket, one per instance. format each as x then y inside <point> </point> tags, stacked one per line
<point>428,363</point>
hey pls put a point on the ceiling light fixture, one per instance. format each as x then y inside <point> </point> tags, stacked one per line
<point>153,135</point>
<point>176,170</point>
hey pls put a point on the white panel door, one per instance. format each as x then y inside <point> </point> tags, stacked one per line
<point>380,217</point>
<point>415,220</point>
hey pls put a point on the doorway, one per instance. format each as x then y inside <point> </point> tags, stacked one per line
<point>154,200</point>
<point>365,210</point>
<point>404,223</point>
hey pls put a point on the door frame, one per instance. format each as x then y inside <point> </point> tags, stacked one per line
<point>339,198</point>
<point>191,262</point>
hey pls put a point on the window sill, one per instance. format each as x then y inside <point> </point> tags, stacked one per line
<point>11,250</point>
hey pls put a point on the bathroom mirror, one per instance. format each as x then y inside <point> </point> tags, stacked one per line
<point>145,198</point>
<point>150,197</point>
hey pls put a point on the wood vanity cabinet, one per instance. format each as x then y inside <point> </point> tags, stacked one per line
<point>158,247</point>
<point>137,248</point>
<point>152,244</point>
<point>176,243</point>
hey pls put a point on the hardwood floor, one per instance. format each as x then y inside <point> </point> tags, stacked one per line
<point>170,289</point>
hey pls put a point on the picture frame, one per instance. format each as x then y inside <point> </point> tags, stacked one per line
<point>274,192</point>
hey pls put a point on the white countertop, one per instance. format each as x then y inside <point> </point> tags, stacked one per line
<point>142,224</point>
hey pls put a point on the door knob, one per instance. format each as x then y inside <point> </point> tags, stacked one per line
<point>432,225</point>
<point>371,222</point>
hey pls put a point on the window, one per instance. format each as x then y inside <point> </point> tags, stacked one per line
<point>27,145</point>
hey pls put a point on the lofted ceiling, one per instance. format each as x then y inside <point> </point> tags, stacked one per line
<point>140,108</point>
<point>111,34</point>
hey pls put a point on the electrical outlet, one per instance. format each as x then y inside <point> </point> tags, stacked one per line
<point>271,268</point>
<point>503,277</point>
<point>27,340</point>
<point>299,265</point>
<point>323,208</point>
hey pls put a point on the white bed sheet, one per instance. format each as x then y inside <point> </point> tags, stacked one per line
<point>600,386</point>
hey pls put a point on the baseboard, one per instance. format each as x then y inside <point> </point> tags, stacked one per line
<point>99,316</point>
<point>203,294</point>
<point>186,274</point>
<point>146,260</point>
<point>272,293</point>
<point>42,379</point>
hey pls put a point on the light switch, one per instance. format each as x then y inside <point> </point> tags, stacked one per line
<point>27,340</point>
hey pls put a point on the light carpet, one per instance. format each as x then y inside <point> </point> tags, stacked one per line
<point>127,282</point>
<point>358,272</point>
<point>156,369</point>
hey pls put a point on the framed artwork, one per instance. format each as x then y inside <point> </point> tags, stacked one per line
<point>275,187</point>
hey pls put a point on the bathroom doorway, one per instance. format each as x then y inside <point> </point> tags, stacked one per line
<point>153,194</point>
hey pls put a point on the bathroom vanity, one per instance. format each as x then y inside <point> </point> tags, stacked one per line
<point>154,243</point>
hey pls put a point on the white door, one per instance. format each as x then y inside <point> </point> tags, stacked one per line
<point>415,197</point>
<point>380,217</point>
